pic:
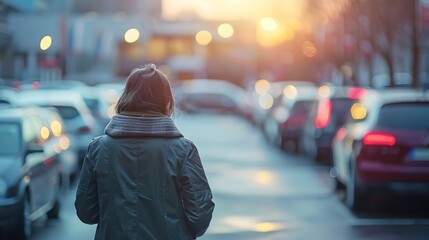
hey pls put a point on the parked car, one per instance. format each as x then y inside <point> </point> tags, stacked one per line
<point>30,171</point>
<point>7,96</point>
<point>284,125</point>
<point>96,101</point>
<point>79,123</point>
<point>262,103</point>
<point>384,144</point>
<point>68,154</point>
<point>325,118</point>
<point>197,95</point>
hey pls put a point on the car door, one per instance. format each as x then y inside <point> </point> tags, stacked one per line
<point>40,165</point>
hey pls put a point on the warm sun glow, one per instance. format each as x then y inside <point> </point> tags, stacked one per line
<point>268,24</point>
<point>230,10</point>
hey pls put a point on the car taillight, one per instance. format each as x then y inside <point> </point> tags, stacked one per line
<point>295,121</point>
<point>84,129</point>
<point>356,93</point>
<point>323,113</point>
<point>378,139</point>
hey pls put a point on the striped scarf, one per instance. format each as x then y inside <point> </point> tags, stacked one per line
<point>142,126</point>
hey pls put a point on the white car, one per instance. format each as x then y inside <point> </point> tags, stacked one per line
<point>79,123</point>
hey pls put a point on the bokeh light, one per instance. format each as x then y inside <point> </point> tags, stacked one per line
<point>266,101</point>
<point>56,128</point>
<point>44,133</point>
<point>225,30</point>
<point>45,43</point>
<point>290,91</point>
<point>203,37</point>
<point>131,35</point>
<point>262,86</point>
<point>324,91</point>
<point>358,111</point>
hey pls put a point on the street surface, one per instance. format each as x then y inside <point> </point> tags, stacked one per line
<point>263,193</point>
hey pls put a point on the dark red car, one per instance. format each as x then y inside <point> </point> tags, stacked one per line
<point>384,144</point>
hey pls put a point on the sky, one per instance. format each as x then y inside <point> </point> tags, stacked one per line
<point>232,9</point>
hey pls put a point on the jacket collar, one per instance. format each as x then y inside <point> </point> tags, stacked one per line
<point>142,125</point>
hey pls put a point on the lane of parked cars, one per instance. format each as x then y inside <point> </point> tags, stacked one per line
<point>45,129</point>
<point>372,138</point>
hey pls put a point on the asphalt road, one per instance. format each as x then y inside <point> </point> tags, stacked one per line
<point>263,193</point>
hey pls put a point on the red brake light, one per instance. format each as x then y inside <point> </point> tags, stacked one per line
<point>379,139</point>
<point>323,113</point>
<point>84,129</point>
<point>356,93</point>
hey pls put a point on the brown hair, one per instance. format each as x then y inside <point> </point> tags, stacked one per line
<point>146,89</point>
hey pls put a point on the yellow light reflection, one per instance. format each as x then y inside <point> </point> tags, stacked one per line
<point>266,101</point>
<point>309,49</point>
<point>45,43</point>
<point>203,37</point>
<point>290,91</point>
<point>131,35</point>
<point>267,227</point>
<point>262,86</point>
<point>225,30</point>
<point>264,177</point>
<point>358,111</point>
<point>64,143</point>
<point>324,91</point>
<point>56,128</point>
<point>44,133</point>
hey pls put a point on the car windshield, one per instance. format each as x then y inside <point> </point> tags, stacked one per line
<point>66,112</point>
<point>9,139</point>
<point>412,116</point>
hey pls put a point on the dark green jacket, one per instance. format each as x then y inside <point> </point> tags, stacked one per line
<point>144,180</point>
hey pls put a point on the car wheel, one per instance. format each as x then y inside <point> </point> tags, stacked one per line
<point>354,194</point>
<point>24,228</point>
<point>338,186</point>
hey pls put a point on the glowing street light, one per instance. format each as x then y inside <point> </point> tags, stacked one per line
<point>131,35</point>
<point>203,37</point>
<point>225,30</point>
<point>45,43</point>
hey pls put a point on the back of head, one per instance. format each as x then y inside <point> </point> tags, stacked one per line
<point>147,89</point>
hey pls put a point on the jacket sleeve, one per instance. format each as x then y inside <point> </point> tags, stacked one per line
<point>196,194</point>
<point>86,203</point>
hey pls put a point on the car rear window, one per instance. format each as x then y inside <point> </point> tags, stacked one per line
<point>9,139</point>
<point>413,116</point>
<point>67,112</point>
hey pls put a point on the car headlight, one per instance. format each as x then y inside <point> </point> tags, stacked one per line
<point>3,187</point>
